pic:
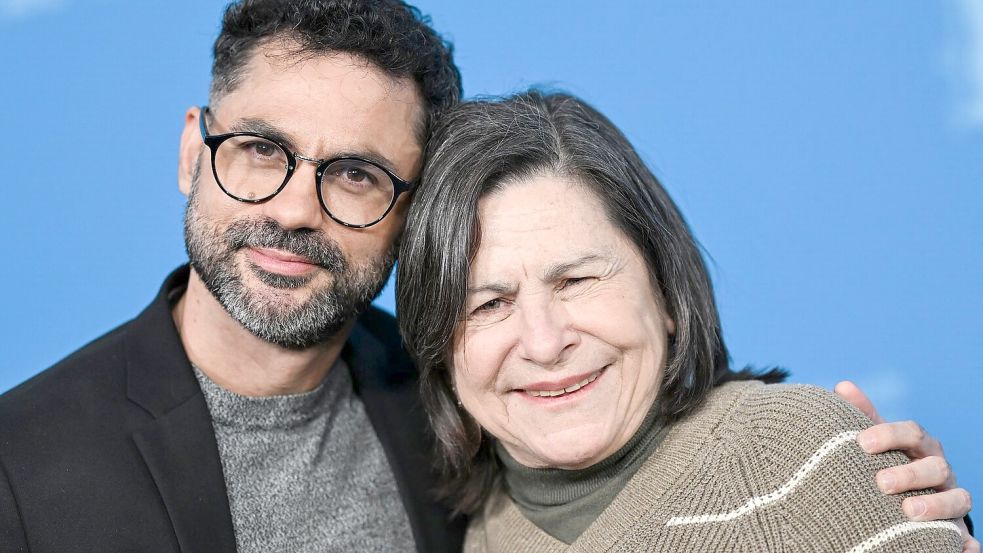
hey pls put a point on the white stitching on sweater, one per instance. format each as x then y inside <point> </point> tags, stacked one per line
<point>762,500</point>
<point>898,530</point>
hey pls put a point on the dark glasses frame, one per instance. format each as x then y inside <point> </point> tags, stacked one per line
<point>213,141</point>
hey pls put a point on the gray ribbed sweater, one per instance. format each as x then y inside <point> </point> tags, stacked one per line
<point>756,468</point>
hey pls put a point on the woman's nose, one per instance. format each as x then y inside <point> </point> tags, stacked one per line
<point>547,337</point>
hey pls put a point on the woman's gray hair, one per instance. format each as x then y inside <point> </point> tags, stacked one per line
<point>481,146</point>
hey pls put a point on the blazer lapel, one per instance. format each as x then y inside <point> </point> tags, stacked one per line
<point>389,412</point>
<point>179,445</point>
<point>182,457</point>
<point>386,382</point>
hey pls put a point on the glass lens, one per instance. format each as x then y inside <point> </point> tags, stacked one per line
<point>356,192</point>
<point>250,167</point>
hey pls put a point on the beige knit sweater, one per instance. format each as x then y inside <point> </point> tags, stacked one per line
<point>756,468</point>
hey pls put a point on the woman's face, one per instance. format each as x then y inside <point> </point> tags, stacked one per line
<point>561,353</point>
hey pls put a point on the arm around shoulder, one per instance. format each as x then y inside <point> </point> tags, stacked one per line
<point>802,451</point>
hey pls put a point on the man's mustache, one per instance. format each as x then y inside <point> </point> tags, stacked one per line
<point>267,233</point>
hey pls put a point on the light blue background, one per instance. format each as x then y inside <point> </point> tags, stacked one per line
<point>829,156</point>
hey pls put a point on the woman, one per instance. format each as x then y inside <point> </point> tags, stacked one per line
<point>574,369</point>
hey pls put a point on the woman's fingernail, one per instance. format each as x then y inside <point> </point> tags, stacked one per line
<point>867,442</point>
<point>886,482</point>
<point>915,508</point>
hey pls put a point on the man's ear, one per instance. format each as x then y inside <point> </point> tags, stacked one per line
<point>189,151</point>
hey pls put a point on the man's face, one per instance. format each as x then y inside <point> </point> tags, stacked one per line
<point>283,268</point>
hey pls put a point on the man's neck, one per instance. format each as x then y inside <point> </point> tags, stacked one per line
<point>241,362</point>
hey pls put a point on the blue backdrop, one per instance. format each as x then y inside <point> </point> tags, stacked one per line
<point>830,159</point>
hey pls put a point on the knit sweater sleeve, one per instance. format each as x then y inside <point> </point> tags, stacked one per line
<point>810,481</point>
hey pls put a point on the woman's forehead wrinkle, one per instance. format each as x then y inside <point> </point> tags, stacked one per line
<point>556,270</point>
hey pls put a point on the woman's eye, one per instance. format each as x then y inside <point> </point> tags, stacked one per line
<point>492,311</point>
<point>490,305</point>
<point>573,282</point>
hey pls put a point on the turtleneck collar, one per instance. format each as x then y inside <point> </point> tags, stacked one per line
<point>565,502</point>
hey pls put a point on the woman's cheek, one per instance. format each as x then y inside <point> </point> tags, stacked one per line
<point>480,362</point>
<point>594,311</point>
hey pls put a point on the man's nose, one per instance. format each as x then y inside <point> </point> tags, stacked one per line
<point>547,335</point>
<point>296,206</point>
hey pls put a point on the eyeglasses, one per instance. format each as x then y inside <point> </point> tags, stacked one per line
<point>253,168</point>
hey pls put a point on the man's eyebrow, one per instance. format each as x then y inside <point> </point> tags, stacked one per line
<point>557,270</point>
<point>265,128</point>
<point>259,126</point>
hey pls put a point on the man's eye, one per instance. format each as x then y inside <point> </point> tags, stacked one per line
<point>355,174</point>
<point>356,177</point>
<point>262,149</point>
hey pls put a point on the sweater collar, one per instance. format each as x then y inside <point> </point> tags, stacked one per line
<point>544,487</point>
<point>281,412</point>
<point>564,503</point>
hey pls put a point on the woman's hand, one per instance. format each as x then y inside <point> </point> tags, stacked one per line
<point>928,467</point>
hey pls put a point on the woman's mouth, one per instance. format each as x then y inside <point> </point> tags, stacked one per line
<point>547,392</point>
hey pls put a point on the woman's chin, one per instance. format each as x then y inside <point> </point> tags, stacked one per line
<point>569,451</point>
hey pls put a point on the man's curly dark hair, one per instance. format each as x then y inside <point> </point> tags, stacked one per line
<point>388,33</point>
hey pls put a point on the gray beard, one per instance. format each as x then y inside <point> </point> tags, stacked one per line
<point>272,316</point>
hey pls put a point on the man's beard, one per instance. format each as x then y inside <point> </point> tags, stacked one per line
<point>272,315</point>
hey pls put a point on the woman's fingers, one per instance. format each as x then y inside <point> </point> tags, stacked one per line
<point>928,469</point>
<point>853,394</point>
<point>949,504</point>
<point>930,472</point>
<point>970,544</point>
<point>907,436</point>
<point>954,503</point>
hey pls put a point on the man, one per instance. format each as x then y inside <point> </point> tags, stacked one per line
<point>247,408</point>
<point>259,403</point>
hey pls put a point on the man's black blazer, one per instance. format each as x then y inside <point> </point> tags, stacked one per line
<point>112,449</point>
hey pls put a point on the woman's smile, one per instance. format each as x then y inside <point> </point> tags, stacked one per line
<point>561,390</point>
